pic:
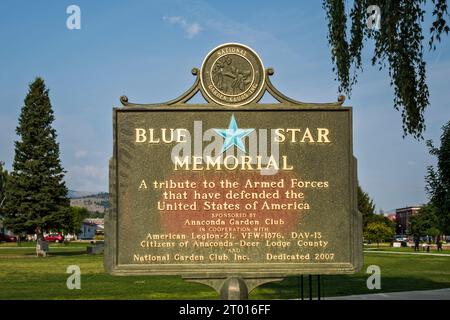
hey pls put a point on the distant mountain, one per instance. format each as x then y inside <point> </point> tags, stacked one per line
<point>96,203</point>
<point>73,194</point>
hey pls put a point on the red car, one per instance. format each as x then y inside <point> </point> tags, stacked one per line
<point>6,238</point>
<point>54,237</point>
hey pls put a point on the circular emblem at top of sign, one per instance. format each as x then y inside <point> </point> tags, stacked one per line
<point>232,74</point>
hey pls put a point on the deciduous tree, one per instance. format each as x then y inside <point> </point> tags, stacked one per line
<point>438,180</point>
<point>399,45</point>
<point>378,232</point>
<point>73,221</point>
<point>424,223</point>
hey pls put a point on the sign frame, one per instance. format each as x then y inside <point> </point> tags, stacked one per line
<point>223,270</point>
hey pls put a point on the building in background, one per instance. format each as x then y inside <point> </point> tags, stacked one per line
<point>87,230</point>
<point>90,228</point>
<point>402,218</point>
<point>391,217</point>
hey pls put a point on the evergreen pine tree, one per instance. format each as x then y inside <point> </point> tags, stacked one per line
<point>3,178</point>
<point>36,195</point>
<point>365,206</point>
<point>369,216</point>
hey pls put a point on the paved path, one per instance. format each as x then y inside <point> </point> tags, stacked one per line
<point>416,253</point>
<point>440,294</point>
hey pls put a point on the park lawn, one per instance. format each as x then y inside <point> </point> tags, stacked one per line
<point>377,245</point>
<point>406,249</point>
<point>32,244</point>
<point>24,276</point>
<point>398,273</point>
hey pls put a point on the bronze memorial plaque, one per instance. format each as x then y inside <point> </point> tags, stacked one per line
<point>233,187</point>
<point>232,75</point>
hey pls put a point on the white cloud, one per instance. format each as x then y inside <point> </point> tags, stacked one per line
<point>191,29</point>
<point>87,178</point>
<point>81,154</point>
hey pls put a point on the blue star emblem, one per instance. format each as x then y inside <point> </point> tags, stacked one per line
<point>233,135</point>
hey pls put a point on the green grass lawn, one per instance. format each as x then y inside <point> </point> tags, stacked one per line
<point>405,249</point>
<point>30,244</point>
<point>24,276</point>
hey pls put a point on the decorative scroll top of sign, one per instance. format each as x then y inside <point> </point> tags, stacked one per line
<point>233,75</point>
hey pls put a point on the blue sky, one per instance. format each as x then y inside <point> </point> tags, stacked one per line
<point>131,47</point>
